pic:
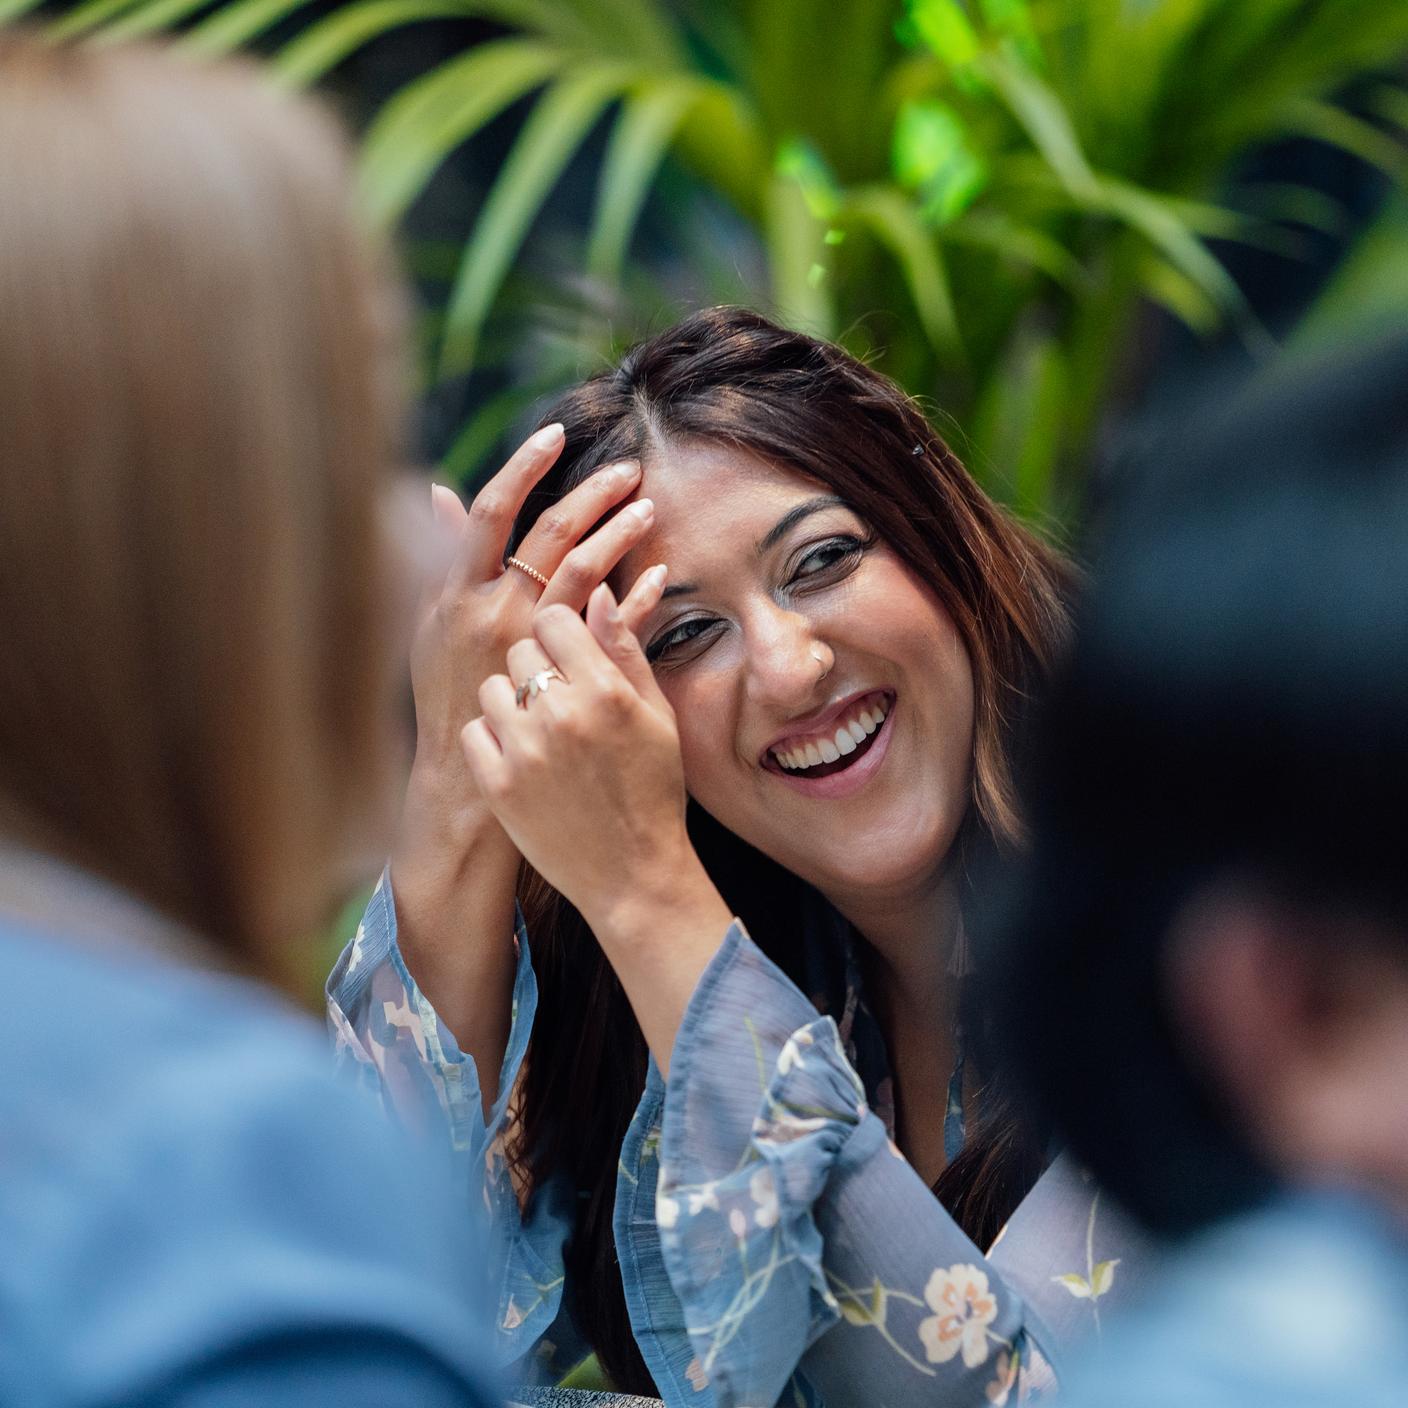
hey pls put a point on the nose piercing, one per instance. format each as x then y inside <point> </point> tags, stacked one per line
<point>821,660</point>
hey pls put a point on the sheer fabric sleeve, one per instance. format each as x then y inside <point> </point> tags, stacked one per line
<point>389,1038</point>
<point>797,1236</point>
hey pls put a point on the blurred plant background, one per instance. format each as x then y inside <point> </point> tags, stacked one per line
<point>1038,217</point>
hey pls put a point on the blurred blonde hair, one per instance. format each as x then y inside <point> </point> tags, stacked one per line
<point>199,407</point>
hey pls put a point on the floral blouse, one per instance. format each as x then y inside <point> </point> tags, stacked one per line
<point>775,1245</point>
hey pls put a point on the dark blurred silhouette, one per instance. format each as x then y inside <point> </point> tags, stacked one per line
<point>203,580</point>
<point>1208,959</point>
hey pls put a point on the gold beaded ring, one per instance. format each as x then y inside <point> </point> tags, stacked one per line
<point>530,571</point>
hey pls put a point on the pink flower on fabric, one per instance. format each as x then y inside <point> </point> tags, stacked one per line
<point>964,1308</point>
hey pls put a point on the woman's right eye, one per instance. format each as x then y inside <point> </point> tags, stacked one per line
<point>674,643</point>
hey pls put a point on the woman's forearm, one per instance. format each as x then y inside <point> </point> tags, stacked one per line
<point>660,934</point>
<point>454,884</point>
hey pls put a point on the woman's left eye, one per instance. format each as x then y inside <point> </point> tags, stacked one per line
<point>828,557</point>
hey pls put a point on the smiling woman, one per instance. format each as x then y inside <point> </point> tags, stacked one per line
<point>796,728</point>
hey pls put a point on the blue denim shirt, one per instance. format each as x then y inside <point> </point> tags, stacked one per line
<point>774,1243</point>
<point>193,1209</point>
<point>1302,1304</point>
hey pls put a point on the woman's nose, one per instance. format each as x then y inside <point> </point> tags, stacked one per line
<point>786,662</point>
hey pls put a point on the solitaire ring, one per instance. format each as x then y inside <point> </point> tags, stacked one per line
<point>537,684</point>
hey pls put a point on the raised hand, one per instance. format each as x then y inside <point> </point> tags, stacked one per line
<point>454,870</point>
<point>585,775</point>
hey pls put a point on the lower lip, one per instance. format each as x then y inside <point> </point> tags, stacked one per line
<point>848,780</point>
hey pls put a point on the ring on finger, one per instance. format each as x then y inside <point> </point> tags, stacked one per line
<point>536,684</point>
<point>528,570</point>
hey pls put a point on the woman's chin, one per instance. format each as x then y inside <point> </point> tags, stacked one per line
<point>881,870</point>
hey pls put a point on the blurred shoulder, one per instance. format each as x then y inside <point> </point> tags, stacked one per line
<point>1300,1303</point>
<point>183,1172</point>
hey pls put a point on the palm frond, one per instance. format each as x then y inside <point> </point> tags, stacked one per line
<point>430,117</point>
<point>559,124</point>
<point>640,139</point>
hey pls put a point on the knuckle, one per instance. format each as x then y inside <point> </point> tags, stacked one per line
<point>576,573</point>
<point>555,526</point>
<point>555,613</point>
<point>488,507</point>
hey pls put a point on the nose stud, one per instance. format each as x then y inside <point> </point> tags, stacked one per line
<point>820,659</point>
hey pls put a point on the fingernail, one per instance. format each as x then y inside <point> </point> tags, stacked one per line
<point>626,471</point>
<point>643,509</point>
<point>547,437</point>
<point>612,611</point>
<point>655,578</point>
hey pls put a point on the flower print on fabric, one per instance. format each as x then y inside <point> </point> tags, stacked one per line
<point>775,1245</point>
<point>963,1308</point>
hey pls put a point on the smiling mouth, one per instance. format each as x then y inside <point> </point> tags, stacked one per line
<point>839,748</point>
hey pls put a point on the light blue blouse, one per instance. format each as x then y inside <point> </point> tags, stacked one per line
<point>774,1243</point>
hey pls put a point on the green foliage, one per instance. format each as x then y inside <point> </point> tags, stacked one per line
<point>979,195</point>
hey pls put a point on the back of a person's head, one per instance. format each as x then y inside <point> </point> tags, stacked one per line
<point>1235,713</point>
<point>199,388</point>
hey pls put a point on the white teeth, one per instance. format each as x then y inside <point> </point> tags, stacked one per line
<point>847,738</point>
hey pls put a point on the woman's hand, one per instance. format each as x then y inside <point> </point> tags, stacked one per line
<point>454,871</point>
<point>468,623</point>
<point>585,776</point>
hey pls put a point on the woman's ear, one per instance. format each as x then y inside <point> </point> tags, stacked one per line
<point>1298,1021</point>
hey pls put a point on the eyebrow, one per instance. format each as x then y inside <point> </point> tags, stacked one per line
<point>773,536</point>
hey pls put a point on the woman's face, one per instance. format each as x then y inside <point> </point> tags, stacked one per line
<point>824,698</point>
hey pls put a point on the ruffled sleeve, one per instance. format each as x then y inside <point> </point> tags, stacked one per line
<point>389,1038</point>
<point>796,1235</point>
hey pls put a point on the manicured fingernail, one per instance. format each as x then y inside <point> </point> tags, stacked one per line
<point>627,471</point>
<point>609,603</point>
<point>643,509</point>
<point>547,437</point>
<point>655,578</point>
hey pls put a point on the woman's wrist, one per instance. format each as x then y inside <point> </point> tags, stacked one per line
<point>672,896</point>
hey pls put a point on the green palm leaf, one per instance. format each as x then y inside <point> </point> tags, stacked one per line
<point>321,47</point>
<point>896,224</point>
<point>559,124</point>
<point>642,135</point>
<point>432,116</point>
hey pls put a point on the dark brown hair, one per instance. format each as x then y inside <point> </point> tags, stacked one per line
<point>199,398</point>
<point>729,376</point>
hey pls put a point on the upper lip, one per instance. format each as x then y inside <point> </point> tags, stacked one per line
<point>815,723</point>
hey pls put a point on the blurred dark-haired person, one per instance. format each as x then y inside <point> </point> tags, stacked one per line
<point>1208,965</point>
<point>198,414</point>
<point>731,1097</point>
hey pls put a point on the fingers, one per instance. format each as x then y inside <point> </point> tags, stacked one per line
<point>643,597</point>
<point>486,759</point>
<point>570,645</point>
<point>496,505</point>
<point>448,515</point>
<point>610,631</point>
<point>497,702</point>
<point>448,509</point>
<point>590,562</point>
<point>562,525</point>
<point>525,659</point>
